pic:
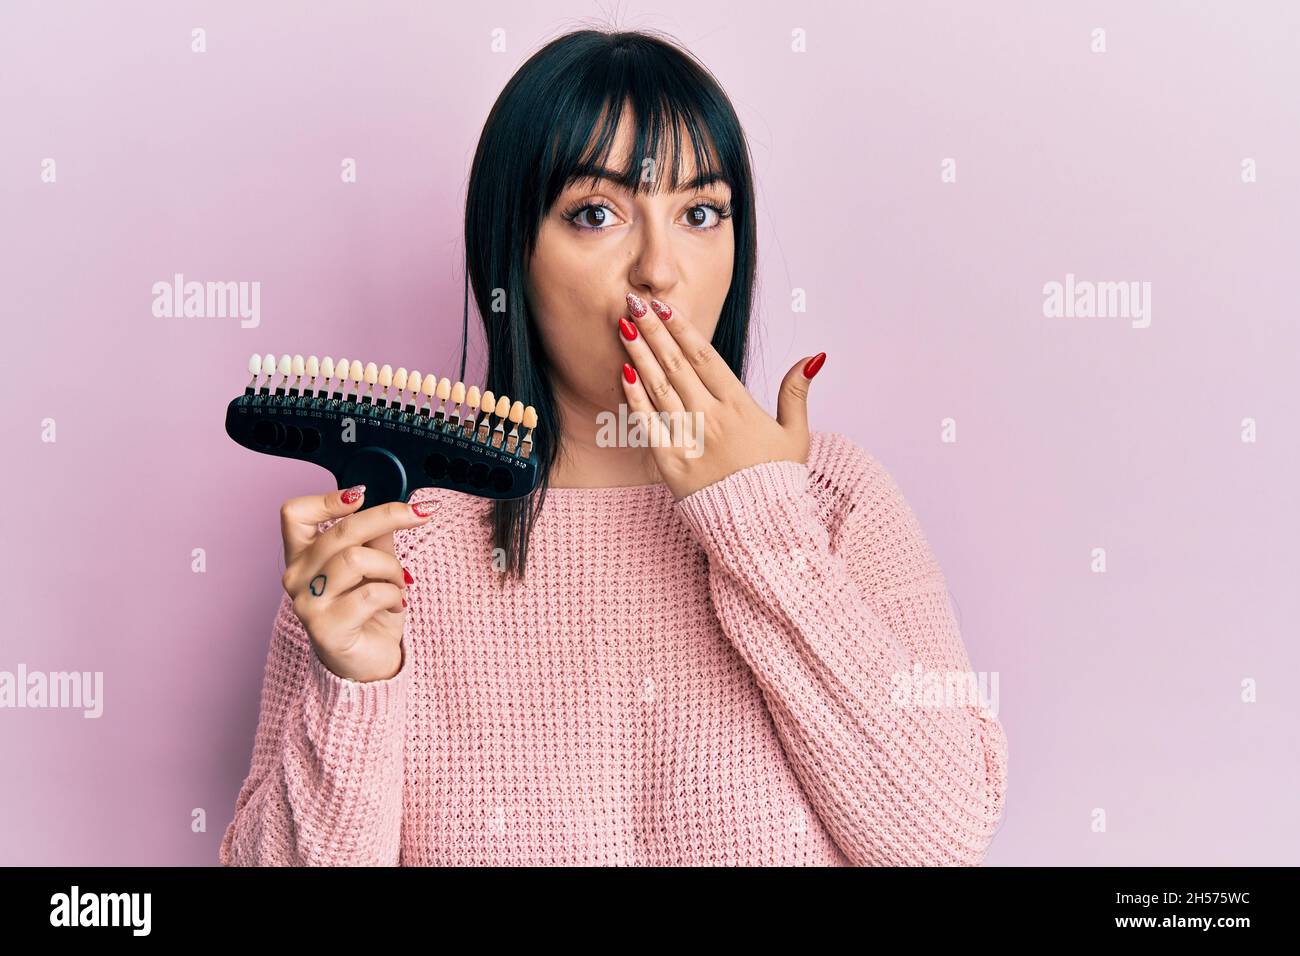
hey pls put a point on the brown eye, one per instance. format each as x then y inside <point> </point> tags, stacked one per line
<point>601,215</point>
<point>706,215</point>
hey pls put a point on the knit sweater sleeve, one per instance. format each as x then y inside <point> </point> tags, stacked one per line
<point>822,579</point>
<point>325,785</point>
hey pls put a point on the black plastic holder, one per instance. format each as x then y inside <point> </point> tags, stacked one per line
<point>392,451</point>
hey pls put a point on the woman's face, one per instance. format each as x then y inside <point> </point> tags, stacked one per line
<point>598,243</point>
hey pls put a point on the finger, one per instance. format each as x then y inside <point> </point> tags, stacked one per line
<point>650,376</point>
<point>361,604</point>
<point>642,409</point>
<point>792,399</point>
<point>713,371</point>
<point>359,528</point>
<point>668,355</point>
<point>351,567</point>
<point>300,517</point>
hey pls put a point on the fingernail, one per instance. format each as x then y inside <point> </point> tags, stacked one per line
<point>407,575</point>
<point>353,494</point>
<point>661,310</point>
<point>627,328</point>
<point>629,373</point>
<point>403,602</point>
<point>636,305</point>
<point>424,509</point>
<point>814,365</point>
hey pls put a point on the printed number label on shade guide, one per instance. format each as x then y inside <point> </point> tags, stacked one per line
<point>389,434</point>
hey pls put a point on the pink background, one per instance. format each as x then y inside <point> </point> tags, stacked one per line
<point>1119,691</point>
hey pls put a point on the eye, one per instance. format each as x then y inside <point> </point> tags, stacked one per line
<point>698,216</point>
<point>597,216</point>
<point>601,216</point>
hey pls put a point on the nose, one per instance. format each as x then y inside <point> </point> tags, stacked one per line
<point>653,267</point>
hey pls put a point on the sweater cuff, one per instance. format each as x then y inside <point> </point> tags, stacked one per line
<point>340,696</point>
<point>766,504</point>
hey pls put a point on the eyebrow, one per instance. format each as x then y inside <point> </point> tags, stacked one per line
<point>586,172</point>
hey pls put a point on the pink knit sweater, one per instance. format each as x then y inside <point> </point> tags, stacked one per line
<point>709,681</point>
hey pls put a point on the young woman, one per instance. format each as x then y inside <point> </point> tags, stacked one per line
<point>680,650</point>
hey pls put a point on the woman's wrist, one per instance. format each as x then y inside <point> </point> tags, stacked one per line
<point>366,671</point>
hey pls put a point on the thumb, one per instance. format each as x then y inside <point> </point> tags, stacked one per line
<point>792,400</point>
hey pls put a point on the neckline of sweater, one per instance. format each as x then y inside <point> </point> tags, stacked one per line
<point>579,495</point>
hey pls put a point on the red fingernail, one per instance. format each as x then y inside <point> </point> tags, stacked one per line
<point>424,509</point>
<point>407,575</point>
<point>629,373</point>
<point>353,494</point>
<point>636,304</point>
<point>627,328</point>
<point>661,310</point>
<point>403,602</point>
<point>814,365</point>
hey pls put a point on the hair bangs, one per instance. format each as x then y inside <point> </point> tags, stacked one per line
<point>669,112</point>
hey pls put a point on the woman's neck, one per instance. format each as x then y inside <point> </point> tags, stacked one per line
<point>585,463</point>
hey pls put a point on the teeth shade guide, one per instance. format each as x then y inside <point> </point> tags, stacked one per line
<point>366,424</point>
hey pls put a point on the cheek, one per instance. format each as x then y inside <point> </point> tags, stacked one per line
<point>726,258</point>
<point>568,294</point>
<point>714,280</point>
<point>563,279</point>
